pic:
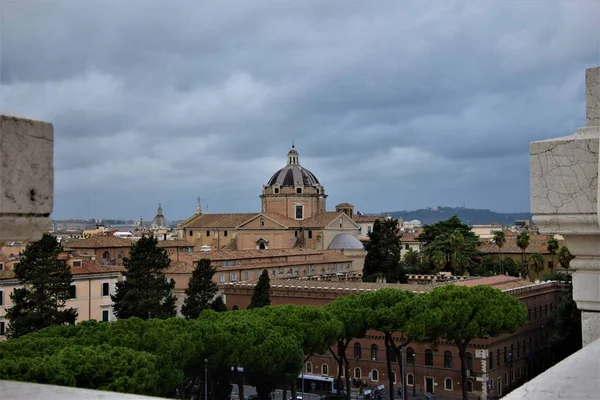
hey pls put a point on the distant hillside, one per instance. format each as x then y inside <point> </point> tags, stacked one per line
<point>468,216</point>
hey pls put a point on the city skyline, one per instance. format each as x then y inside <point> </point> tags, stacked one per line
<point>392,106</point>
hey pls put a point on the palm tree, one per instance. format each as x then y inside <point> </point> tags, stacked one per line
<point>536,263</point>
<point>552,249</point>
<point>564,258</point>
<point>523,244</point>
<point>500,240</point>
<point>438,259</point>
<point>456,244</point>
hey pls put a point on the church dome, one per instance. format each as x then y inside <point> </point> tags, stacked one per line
<point>345,241</point>
<point>293,174</point>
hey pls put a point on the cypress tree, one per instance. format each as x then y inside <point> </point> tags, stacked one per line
<point>201,290</point>
<point>145,293</point>
<point>383,253</point>
<point>261,296</point>
<point>46,287</point>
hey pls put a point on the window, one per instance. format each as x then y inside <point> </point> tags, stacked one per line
<point>310,234</point>
<point>393,377</point>
<point>375,375</point>
<point>470,386</point>
<point>298,190</point>
<point>246,275</point>
<point>225,233</point>
<point>369,229</point>
<point>299,212</point>
<point>1,266</point>
<point>498,358</point>
<point>551,307</point>
<point>491,359</point>
<point>105,288</point>
<point>191,233</point>
<point>222,278</point>
<point>325,369</point>
<point>374,352</point>
<point>262,222</point>
<point>357,351</point>
<point>410,355</point>
<point>255,274</point>
<point>499,380</point>
<point>2,328</point>
<point>233,277</point>
<point>72,292</point>
<point>106,255</point>
<point>276,190</point>
<point>505,355</point>
<point>469,358</point>
<point>1,297</point>
<point>518,373</point>
<point>505,378</point>
<point>296,233</point>
<point>308,368</point>
<point>357,373</point>
<point>105,315</point>
<point>227,263</point>
<point>546,309</point>
<point>410,379</point>
<point>76,264</point>
<point>512,375</point>
<point>534,313</point>
<point>448,384</point>
<point>207,233</point>
<point>447,359</point>
<point>529,314</point>
<point>429,357</point>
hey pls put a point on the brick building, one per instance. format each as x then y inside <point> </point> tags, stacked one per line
<point>496,365</point>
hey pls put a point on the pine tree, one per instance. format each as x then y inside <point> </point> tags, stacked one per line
<point>46,284</point>
<point>201,290</point>
<point>383,253</point>
<point>145,293</point>
<point>262,292</point>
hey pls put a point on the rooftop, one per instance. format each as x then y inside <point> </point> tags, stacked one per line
<point>98,242</point>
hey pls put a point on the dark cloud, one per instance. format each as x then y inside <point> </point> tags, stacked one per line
<point>421,103</point>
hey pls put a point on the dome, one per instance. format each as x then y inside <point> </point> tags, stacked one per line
<point>293,174</point>
<point>345,241</point>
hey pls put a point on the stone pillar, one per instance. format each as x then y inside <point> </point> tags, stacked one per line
<point>26,178</point>
<point>564,200</point>
<point>483,355</point>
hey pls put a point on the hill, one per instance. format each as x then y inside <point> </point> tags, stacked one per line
<point>468,216</point>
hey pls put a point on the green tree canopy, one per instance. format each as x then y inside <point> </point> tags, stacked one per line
<point>46,281</point>
<point>201,289</point>
<point>261,297</point>
<point>450,245</point>
<point>564,327</point>
<point>146,292</point>
<point>461,314</point>
<point>553,246</point>
<point>383,253</point>
<point>536,263</point>
<point>523,239</point>
<point>499,239</point>
<point>564,258</point>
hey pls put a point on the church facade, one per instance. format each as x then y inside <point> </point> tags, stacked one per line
<point>293,215</point>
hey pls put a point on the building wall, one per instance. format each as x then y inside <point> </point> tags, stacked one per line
<point>277,239</point>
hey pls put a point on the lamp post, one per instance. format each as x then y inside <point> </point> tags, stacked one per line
<point>414,374</point>
<point>205,379</point>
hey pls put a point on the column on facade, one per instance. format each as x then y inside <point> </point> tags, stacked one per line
<point>26,178</point>
<point>564,200</point>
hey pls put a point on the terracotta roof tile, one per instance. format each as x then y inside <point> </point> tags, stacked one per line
<point>174,243</point>
<point>321,220</point>
<point>366,218</point>
<point>283,220</point>
<point>220,220</point>
<point>537,244</point>
<point>98,242</point>
<point>92,267</point>
<point>220,255</point>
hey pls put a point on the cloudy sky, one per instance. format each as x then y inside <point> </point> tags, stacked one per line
<point>392,105</point>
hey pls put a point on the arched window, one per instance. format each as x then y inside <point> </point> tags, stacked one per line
<point>546,309</point>
<point>308,368</point>
<point>262,222</point>
<point>105,255</point>
<point>447,359</point>
<point>393,377</point>
<point>447,384</point>
<point>491,359</point>
<point>325,369</point>
<point>375,375</point>
<point>410,379</point>
<point>429,357</point>
<point>469,386</point>
<point>505,355</point>
<point>518,349</point>
<point>498,358</point>
<point>374,352</point>
<point>121,254</point>
<point>410,355</point>
<point>534,313</point>
<point>357,351</point>
<point>469,358</point>
<point>357,373</point>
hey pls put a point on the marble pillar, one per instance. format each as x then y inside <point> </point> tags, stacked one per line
<point>564,200</point>
<point>26,178</point>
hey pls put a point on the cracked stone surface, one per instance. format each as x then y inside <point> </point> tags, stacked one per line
<point>592,96</point>
<point>26,177</point>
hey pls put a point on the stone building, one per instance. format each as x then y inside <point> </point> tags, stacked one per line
<point>293,215</point>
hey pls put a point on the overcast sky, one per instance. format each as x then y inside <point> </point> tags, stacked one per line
<point>392,105</point>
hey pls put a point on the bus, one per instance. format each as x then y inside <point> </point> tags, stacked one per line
<point>316,384</point>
